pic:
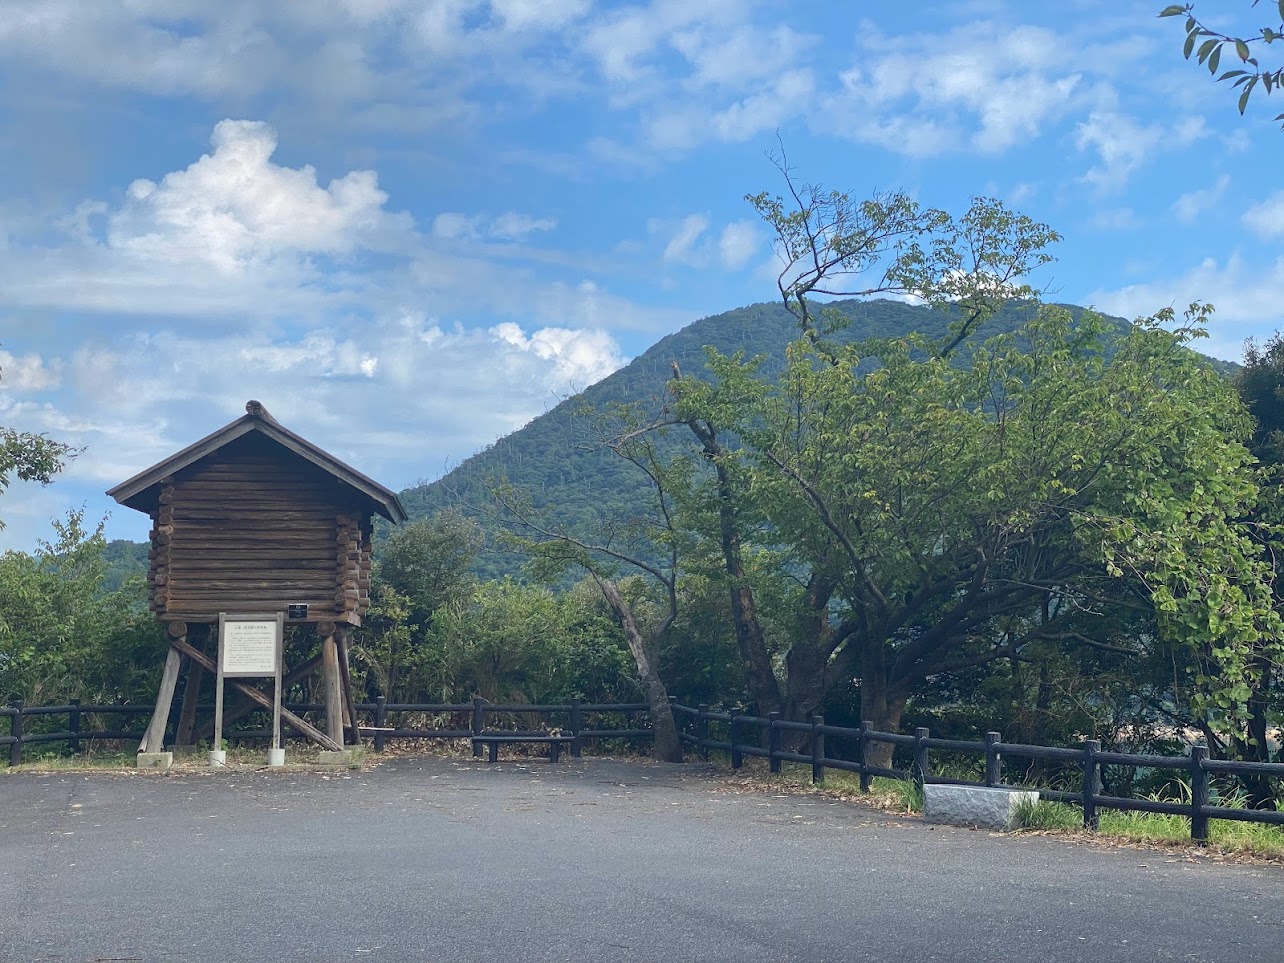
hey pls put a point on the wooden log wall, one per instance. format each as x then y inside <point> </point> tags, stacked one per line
<point>256,528</point>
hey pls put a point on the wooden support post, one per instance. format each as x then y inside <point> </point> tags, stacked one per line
<point>15,730</point>
<point>866,727</point>
<point>773,742</point>
<point>577,723</point>
<point>922,768</point>
<point>73,723</point>
<point>331,683</point>
<point>817,749</point>
<point>993,761</point>
<point>154,738</point>
<point>191,696</point>
<point>1198,794</point>
<point>479,724</point>
<point>1091,783</point>
<point>345,678</point>
<point>381,721</point>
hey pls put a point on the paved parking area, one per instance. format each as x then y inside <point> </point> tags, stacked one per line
<point>590,860</point>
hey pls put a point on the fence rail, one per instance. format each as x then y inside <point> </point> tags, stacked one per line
<point>1088,759</point>
<point>739,735</point>
<point>575,715</point>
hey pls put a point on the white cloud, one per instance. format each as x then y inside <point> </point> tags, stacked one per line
<point>510,226</point>
<point>451,225</point>
<point>681,248</point>
<point>1123,145</point>
<point>984,84</point>
<point>745,53</point>
<point>1194,203</point>
<point>691,242</point>
<point>1266,219</point>
<point>404,380</point>
<point>739,242</point>
<point>578,358</point>
<point>1115,219</point>
<point>235,207</point>
<point>27,372</point>
<point>1245,295</point>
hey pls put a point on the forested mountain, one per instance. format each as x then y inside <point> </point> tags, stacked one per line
<point>557,458</point>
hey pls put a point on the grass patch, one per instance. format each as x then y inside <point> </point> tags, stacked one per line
<point>1225,835</point>
<point>90,759</point>
<point>896,795</point>
<point>106,760</point>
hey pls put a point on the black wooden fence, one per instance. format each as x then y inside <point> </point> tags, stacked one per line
<point>739,735</point>
<point>742,735</point>
<point>581,721</point>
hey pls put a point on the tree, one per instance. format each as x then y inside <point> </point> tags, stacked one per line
<point>1207,46</point>
<point>963,511</point>
<point>832,245</point>
<point>647,546</point>
<point>423,568</point>
<point>63,634</point>
<point>30,457</point>
<point>429,561</point>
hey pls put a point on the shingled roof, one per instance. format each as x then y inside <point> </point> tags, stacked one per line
<point>143,490</point>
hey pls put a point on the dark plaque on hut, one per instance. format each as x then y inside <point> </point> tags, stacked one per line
<point>254,518</point>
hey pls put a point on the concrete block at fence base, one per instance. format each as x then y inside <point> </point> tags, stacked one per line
<point>975,805</point>
<point>337,757</point>
<point>155,760</point>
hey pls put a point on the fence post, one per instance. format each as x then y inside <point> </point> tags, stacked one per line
<point>73,723</point>
<point>1198,794</point>
<point>15,730</point>
<point>702,731</point>
<point>773,741</point>
<point>381,721</point>
<point>577,723</point>
<point>817,749</point>
<point>737,759</point>
<point>920,757</point>
<point>866,727</point>
<point>1091,783</point>
<point>993,761</point>
<point>479,723</point>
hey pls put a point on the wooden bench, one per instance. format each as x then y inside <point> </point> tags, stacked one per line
<point>492,742</point>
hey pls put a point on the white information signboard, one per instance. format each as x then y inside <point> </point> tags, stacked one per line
<point>249,647</point>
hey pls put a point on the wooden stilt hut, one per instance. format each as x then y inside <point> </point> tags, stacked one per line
<point>255,519</point>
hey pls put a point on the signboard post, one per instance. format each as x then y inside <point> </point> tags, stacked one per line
<point>249,646</point>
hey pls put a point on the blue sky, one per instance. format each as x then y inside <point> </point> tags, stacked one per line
<point>409,226</point>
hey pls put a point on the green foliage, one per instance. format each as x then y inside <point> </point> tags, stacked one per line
<point>64,634</point>
<point>501,640</point>
<point>1207,46</point>
<point>969,511</point>
<point>30,457</point>
<point>428,561</point>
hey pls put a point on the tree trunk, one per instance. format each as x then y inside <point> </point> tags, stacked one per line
<point>667,744</point>
<point>750,638</point>
<point>806,681</point>
<point>1255,747</point>
<point>880,704</point>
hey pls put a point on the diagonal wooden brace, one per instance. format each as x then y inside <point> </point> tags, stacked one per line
<point>309,730</point>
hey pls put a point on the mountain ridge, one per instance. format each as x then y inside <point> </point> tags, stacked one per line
<point>551,457</point>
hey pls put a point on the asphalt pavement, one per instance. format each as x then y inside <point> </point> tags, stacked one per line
<point>585,861</point>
